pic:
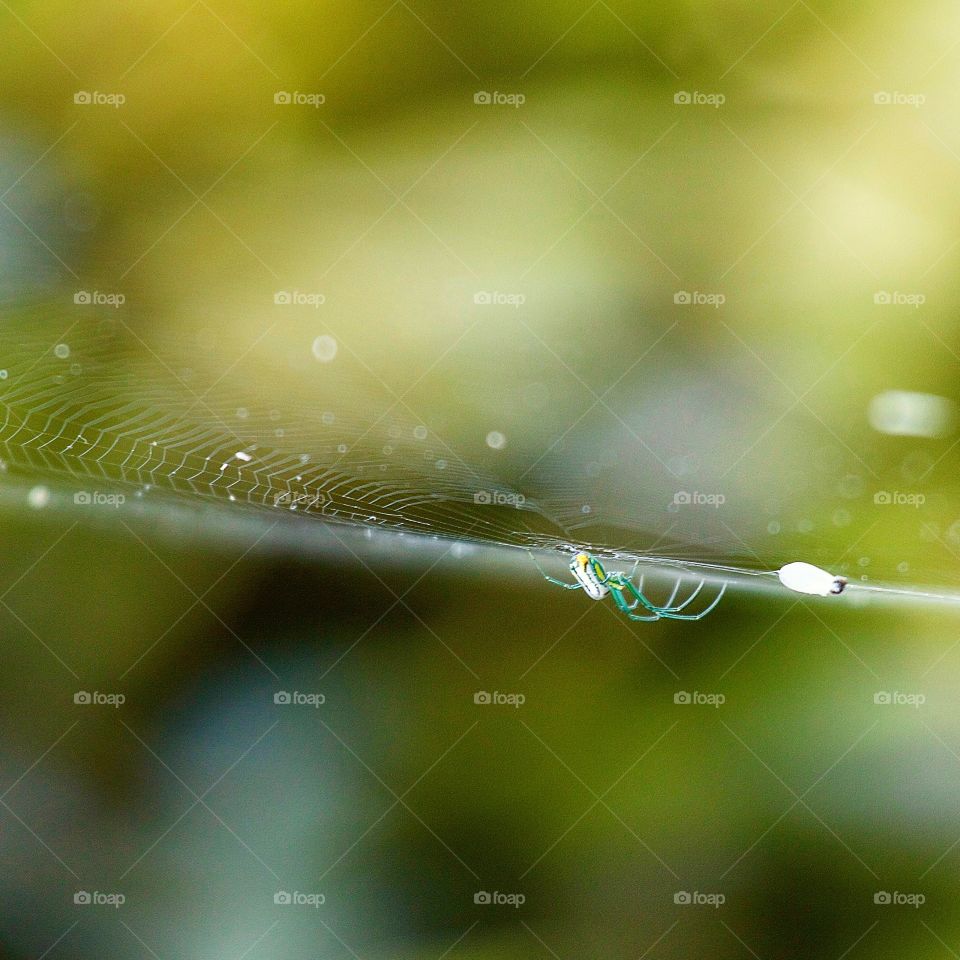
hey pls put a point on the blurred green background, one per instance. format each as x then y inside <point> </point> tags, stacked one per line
<point>661,279</point>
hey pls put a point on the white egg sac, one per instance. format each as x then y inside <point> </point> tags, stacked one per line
<point>806,578</point>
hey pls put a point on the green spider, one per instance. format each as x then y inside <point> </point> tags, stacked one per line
<point>596,583</point>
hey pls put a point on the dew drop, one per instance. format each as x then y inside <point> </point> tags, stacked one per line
<point>324,348</point>
<point>38,497</point>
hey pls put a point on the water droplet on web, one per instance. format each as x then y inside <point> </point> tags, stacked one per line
<point>38,497</point>
<point>62,351</point>
<point>841,518</point>
<point>496,440</point>
<point>324,348</point>
<point>420,433</point>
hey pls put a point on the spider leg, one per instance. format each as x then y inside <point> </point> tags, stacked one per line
<point>693,596</point>
<point>636,603</point>
<point>672,596</point>
<point>546,576</point>
<point>617,583</point>
<point>627,609</point>
<point>669,615</point>
<point>640,599</point>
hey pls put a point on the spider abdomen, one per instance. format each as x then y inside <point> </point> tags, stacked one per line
<point>590,574</point>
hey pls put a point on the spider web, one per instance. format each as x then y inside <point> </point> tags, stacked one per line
<point>96,408</point>
<point>97,403</point>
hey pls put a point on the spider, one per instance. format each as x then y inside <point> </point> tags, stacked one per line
<point>596,583</point>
